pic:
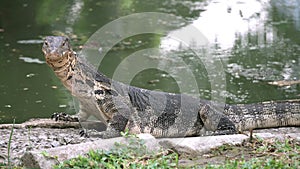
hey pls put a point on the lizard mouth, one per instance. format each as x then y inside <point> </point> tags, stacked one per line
<point>56,60</point>
<point>54,57</point>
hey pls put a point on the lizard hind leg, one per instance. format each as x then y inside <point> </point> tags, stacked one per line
<point>216,121</point>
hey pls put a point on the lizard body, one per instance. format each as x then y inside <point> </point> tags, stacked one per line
<point>161,114</point>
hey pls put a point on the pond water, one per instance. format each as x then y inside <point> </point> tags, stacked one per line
<point>250,44</point>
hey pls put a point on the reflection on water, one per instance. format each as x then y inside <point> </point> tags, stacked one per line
<point>31,60</point>
<point>253,50</point>
<point>224,22</point>
<point>251,44</point>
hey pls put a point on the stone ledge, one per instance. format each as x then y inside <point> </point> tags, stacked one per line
<point>38,159</point>
<point>191,146</point>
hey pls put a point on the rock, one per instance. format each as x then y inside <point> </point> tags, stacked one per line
<point>264,135</point>
<point>194,146</point>
<point>67,140</point>
<point>55,143</point>
<point>43,136</point>
<point>279,136</point>
<point>150,141</point>
<point>46,158</point>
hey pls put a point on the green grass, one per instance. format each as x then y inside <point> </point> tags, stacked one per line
<point>269,163</point>
<point>131,155</point>
<point>265,154</point>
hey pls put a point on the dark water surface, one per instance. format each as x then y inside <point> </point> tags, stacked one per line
<point>251,44</point>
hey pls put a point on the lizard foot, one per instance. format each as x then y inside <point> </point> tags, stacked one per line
<point>64,117</point>
<point>96,134</point>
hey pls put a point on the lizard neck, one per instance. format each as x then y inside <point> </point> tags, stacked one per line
<point>64,68</point>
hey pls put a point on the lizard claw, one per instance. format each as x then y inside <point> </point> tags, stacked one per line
<point>84,133</point>
<point>64,117</point>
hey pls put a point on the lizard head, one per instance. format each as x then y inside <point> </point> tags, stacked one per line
<point>56,48</point>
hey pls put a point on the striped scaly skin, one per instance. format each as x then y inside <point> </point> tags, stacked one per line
<point>161,114</point>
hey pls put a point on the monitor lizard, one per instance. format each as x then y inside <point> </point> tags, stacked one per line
<point>161,114</point>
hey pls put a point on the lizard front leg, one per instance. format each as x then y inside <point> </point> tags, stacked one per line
<point>79,117</point>
<point>62,116</point>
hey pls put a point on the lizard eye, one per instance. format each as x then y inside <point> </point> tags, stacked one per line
<point>46,43</point>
